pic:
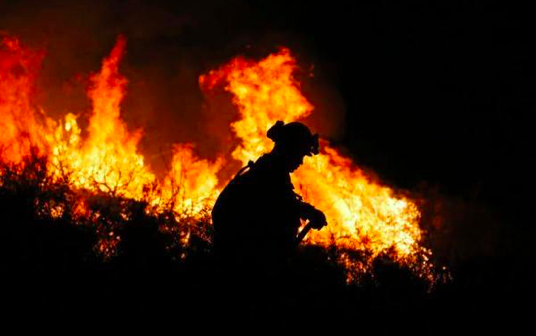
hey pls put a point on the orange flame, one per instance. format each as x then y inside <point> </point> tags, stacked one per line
<point>108,160</point>
<point>191,183</point>
<point>363,215</point>
<point>19,120</point>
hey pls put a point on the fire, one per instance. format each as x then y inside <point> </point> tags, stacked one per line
<point>263,92</point>
<point>108,160</point>
<point>19,118</point>
<point>363,214</point>
<point>191,185</point>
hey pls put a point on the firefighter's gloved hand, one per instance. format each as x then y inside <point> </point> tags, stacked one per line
<point>318,219</point>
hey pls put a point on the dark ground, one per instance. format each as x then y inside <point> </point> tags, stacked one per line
<point>50,269</point>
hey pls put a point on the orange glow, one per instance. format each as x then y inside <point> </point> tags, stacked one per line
<point>107,160</point>
<point>18,117</point>
<point>190,186</point>
<point>263,92</point>
<point>363,214</point>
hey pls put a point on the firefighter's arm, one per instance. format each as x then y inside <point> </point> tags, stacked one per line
<point>315,216</point>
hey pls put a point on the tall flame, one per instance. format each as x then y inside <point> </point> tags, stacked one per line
<point>363,214</point>
<point>21,130</point>
<point>263,92</point>
<point>108,160</point>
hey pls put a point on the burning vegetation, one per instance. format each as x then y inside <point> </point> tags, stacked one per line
<point>105,180</point>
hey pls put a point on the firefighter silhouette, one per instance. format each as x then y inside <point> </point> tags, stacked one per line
<point>257,216</point>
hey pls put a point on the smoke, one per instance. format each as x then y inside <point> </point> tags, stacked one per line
<point>169,45</point>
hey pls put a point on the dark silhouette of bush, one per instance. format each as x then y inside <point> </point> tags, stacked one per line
<point>51,261</point>
<point>55,261</point>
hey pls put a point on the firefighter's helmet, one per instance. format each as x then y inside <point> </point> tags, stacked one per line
<point>294,135</point>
